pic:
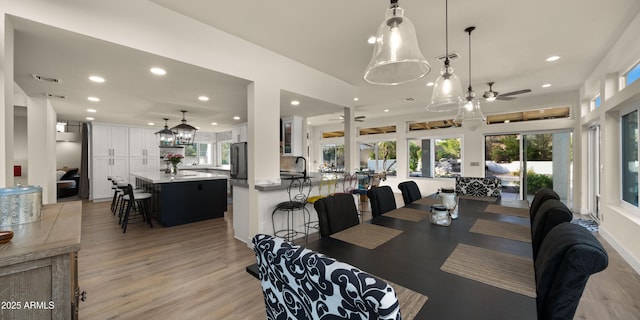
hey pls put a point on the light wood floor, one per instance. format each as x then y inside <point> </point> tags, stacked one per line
<point>197,271</point>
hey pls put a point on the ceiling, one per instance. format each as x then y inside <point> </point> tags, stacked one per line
<point>509,46</point>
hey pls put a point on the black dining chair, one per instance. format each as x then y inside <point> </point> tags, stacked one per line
<point>382,200</point>
<point>135,201</point>
<point>539,198</point>
<point>410,191</point>
<point>318,287</point>
<point>550,214</point>
<point>568,257</point>
<point>336,213</point>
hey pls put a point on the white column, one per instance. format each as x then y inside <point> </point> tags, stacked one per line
<point>6,101</point>
<point>41,137</point>
<point>263,136</point>
<point>351,153</point>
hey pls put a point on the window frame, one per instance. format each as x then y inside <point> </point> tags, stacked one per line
<point>624,203</point>
<point>376,142</point>
<point>625,76</point>
<point>432,153</point>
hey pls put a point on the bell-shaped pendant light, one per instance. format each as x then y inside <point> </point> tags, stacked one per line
<point>447,90</point>
<point>470,114</point>
<point>165,136</point>
<point>396,56</point>
<point>184,132</point>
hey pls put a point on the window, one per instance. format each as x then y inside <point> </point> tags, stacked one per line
<point>596,102</point>
<point>198,153</point>
<point>435,157</point>
<point>629,163</point>
<point>225,154</point>
<point>378,156</point>
<point>332,158</point>
<point>633,75</point>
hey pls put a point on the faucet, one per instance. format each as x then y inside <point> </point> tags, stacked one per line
<point>304,172</point>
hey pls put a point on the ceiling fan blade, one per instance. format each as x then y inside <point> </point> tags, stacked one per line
<point>503,98</point>
<point>512,93</point>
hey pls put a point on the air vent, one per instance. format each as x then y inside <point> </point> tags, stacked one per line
<point>409,99</point>
<point>45,78</point>
<point>452,56</point>
<point>51,95</point>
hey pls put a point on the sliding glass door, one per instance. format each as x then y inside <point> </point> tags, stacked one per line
<point>526,163</point>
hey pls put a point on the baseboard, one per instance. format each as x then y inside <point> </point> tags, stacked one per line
<point>634,263</point>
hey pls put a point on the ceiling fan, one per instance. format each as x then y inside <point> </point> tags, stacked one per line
<point>494,95</point>
<point>356,118</point>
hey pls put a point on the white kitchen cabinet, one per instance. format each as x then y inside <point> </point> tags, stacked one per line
<point>239,133</point>
<point>110,141</point>
<point>292,136</point>
<point>110,157</point>
<point>103,168</point>
<point>144,153</point>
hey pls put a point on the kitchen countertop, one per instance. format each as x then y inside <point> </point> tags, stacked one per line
<point>284,183</point>
<point>204,167</point>
<point>182,176</point>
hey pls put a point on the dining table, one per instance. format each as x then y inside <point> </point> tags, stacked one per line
<point>478,267</point>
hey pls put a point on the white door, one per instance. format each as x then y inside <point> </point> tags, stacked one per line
<point>120,141</point>
<point>136,142</point>
<point>101,138</point>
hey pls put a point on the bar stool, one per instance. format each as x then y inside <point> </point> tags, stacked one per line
<point>139,201</point>
<point>327,187</point>
<point>298,190</point>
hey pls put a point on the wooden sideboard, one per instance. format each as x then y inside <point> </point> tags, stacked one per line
<point>38,267</point>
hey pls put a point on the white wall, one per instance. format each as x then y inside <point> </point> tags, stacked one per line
<point>68,154</point>
<point>20,152</point>
<point>620,222</point>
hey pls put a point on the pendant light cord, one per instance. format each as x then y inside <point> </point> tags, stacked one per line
<point>469,29</point>
<point>446,32</point>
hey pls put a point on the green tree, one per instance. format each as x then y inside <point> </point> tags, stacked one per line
<point>539,147</point>
<point>505,148</point>
<point>415,155</point>
<point>448,149</point>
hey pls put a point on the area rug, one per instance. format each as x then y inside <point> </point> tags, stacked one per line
<point>498,269</point>
<point>414,215</point>
<point>499,209</point>
<point>587,224</point>
<point>367,235</point>
<point>502,229</point>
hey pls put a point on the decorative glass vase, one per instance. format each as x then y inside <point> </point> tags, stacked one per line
<point>174,170</point>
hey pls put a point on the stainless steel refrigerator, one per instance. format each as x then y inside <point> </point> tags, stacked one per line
<point>239,160</point>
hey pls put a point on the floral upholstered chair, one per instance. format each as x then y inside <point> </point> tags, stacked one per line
<point>299,283</point>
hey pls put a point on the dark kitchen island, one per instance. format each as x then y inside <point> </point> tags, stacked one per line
<point>188,197</point>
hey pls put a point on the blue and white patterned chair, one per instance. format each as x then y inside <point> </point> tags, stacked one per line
<point>299,283</point>
<point>479,187</point>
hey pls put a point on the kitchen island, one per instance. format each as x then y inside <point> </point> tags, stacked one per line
<point>187,197</point>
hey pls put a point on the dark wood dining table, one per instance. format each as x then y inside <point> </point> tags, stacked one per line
<point>413,259</point>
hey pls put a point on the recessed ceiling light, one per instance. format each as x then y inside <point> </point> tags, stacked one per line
<point>214,123</point>
<point>552,58</point>
<point>92,110</point>
<point>371,40</point>
<point>308,122</point>
<point>236,118</point>
<point>90,118</point>
<point>197,128</point>
<point>98,79</point>
<point>151,124</point>
<point>203,98</point>
<point>158,71</point>
<point>93,99</point>
<point>430,84</point>
<point>546,85</point>
<point>295,102</point>
<point>355,99</point>
<point>386,110</point>
<point>507,121</point>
